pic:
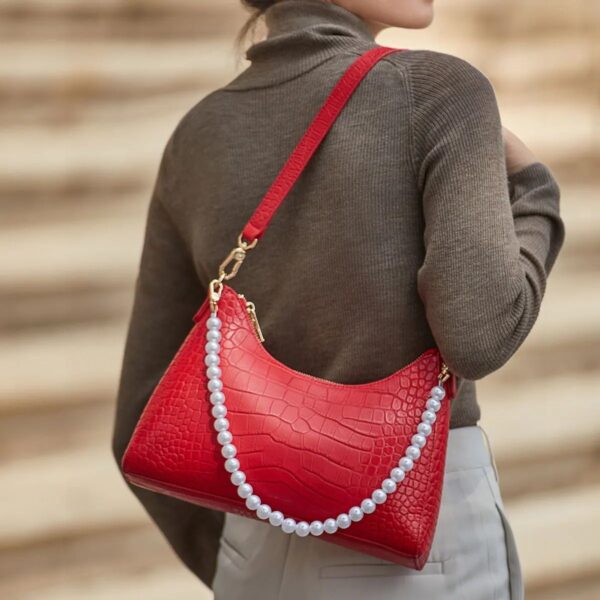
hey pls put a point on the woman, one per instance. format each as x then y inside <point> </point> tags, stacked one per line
<point>420,221</point>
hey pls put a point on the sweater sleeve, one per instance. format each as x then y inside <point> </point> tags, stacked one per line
<point>167,294</point>
<point>490,239</point>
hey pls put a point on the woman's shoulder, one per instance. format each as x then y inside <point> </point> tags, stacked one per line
<point>432,69</point>
<point>197,118</point>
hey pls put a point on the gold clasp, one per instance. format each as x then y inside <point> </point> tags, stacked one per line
<point>236,256</point>
<point>215,287</point>
<point>444,373</point>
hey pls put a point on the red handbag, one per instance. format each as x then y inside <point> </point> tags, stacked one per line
<point>229,427</point>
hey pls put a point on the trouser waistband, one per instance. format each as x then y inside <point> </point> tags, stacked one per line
<point>468,447</point>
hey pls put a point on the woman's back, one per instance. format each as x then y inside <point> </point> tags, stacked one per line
<point>347,282</point>
<point>403,233</point>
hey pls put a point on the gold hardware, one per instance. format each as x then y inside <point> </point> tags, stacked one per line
<point>246,245</point>
<point>444,373</point>
<point>214,294</point>
<point>252,312</point>
<point>236,256</point>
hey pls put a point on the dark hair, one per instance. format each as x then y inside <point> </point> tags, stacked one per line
<point>258,7</point>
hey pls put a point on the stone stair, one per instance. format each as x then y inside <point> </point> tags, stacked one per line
<point>80,85</point>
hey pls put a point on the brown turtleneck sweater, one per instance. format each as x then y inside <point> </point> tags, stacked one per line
<point>404,232</point>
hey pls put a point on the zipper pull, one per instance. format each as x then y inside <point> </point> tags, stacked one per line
<point>252,312</point>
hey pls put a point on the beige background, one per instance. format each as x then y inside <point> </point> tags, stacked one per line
<point>89,92</point>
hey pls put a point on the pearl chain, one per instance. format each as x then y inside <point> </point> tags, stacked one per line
<point>245,490</point>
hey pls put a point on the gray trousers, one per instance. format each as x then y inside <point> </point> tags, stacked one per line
<point>473,556</point>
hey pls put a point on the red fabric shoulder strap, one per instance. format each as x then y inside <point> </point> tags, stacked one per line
<point>310,141</point>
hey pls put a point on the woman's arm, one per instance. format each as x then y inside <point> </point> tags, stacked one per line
<point>487,254</point>
<point>167,294</point>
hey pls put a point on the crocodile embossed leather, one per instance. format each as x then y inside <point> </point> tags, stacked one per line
<point>361,465</point>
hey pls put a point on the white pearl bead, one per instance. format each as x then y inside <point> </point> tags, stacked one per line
<point>211,359</point>
<point>232,464</point>
<point>213,372</point>
<point>413,452</point>
<point>212,347</point>
<point>368,506</point>
<point>379,496</point>
<point>428,416</point>
<point>238,477</point>
<point>330,525</point>
<point>221,424</point>
<point>253,502</point>
<point>217,398</point>
<point>302,529</point>
<point>263,511</point>
<point>215,385</point>
<point>388,486</point>
<point>316,528</point>
<point>213,323</point>
<point>244,490</point>
<point>224,437</point>
<point>228,451</point>
<point>276,518</point>
<point>355,513</point>
<point>218,411</point>
<point>343,521</point>
<point>433,404</point>
<point>288,525</point>
<point>418,440</point>
<point>397,474</point>
<point>406,463</point>
<point>424,429</point>
<point>438,392</point>
<point>212,335</point>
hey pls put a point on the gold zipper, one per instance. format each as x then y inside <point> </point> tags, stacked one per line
<point>251,309</point>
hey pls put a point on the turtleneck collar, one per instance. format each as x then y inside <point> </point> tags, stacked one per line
<point>301,34</point>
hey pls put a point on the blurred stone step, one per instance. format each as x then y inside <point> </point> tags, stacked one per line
<point>129,19</point>
<point>80,70</point>
<point>557,535</point>
<point>77,303</point>
<point>123,155</point>
<point>83,493</point>
<point>54,429</point>
<point>158,583</point>
<point>61,367</point>
<point>563,64</point>
<point>529,423</point>
<point>570,144</point>
<point>105,249</point>
<point>151,18</point>
<point>111,564</point>
<point>514,20</point>
<point>582,587</point>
